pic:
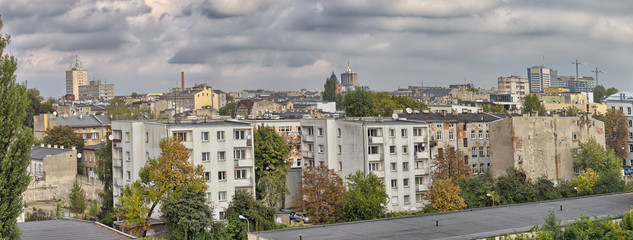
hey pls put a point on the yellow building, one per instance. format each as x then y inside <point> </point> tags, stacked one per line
<point>556,90</point>
<point>593,108</point>
<point>570,98</point>
<point>191,99</point>
<point>92,128</point>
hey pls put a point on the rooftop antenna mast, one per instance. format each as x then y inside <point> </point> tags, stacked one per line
<point>597,71</point>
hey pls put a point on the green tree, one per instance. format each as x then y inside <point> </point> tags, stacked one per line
<point>616,131</point>
<point>77,197</point>
<point>228,109</point>
<point>15,147</point>
<point>272,166</point>
<point>134,206</point>
<point>545,189</point>
<point>598,93</point>
<point>329,92</point>
<point>611,91</point>
<point>187,215</point>
<point>532,103</point>
<point>36,106</point>
<point>591,155</point>
<point>260,216</point>
<point>444,196</point>
<point>104,171</point>
<point>136,95</point>
<point>495,108</point>
<point>585,182</point>
<point>359,103</point>
<point>64,136</point>
<point>514,187</point>
<point>473,190</point>
<point>571,111</point>
<point>366,197</point>
<point>158,178</point>
<point>322,194</point>
<point>384,105</point>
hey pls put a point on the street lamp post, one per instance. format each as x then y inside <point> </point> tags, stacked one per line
<point>248,223</point>
<point>576,189</point>
<point>493,198</point>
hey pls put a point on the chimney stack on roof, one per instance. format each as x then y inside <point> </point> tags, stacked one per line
<point>182,80</point>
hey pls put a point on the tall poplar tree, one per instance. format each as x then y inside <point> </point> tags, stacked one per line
<point>15,143</point>
<point>272,166</point>
<point>329,90</point>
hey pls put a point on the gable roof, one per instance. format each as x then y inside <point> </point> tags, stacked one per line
<point>82,121</point>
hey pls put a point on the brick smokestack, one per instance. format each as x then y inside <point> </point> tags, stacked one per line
<point>182,80</point>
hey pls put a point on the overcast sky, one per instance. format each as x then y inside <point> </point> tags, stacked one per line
<point>142,46</point>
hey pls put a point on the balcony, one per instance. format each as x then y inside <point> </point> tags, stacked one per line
<point>244,182</point>
<point>421,188</point>
<point>243,162</point>
<point>421,155</point>
<point>307,154</point>
<point>242,143</point>
<point>117,162</point>
<point>375,140</point>
<point>421,171</point>
<point>119,182</point>
<point>374,157</point>
<point>379,174</point>
<point>422,138</point>
<point>307,138</point>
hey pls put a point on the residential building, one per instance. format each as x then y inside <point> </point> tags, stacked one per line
<point>541,145</point>
<point>96,91</point>
<point>76,76</point>
<point>223,148</point>
<point>92,128</point>
<point>514,85</point>
<point>540,77</point>
<point>396,151</point>
<point>88,161</point>
<point>190,99</point>
<point>623,101</point>
<point>349,78</point>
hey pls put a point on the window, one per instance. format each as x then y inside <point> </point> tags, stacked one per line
<point>221,156</point>
<point>320,132</point>
<point>127,156</point>
<point>321,148</point>
<point>285,129</point>
<point>419,197</point>
<point>394,183</point>
<point>182,136</point>
<point>240,174</point>
<point>206,156</point>
<point>394,200</point>
<point>222,215</point>
<point>239,154</point>
<point>473,151</point>
<point>96,136</point>
<point>310,147</point>
<point>204,136</point>
<point>481,167</point>
<point>392,133</point>
<point>481,151</point>
<point>404,133</point>
<point>207,197</point>
<point>419,164</point>
<point>373,150</point>
<point>392,149</point>
<point>481,134</point>
<point>417,132</point>
<point>207,176</point>
<point>630,147</point>
<point>406,199</point>
<point>474,168</point>
<point>222,196</point>
<point>405,166</point>
<point>488,151</point>
<point>405,149</point>
<point>340,149</point>
<point>222,175</point>
<point>239,134</point>
<point>338,132</point>
<point>128,175</point>
<point>311,163</point>
<point>340,166</point>
<point>220,135</point>
<point>487,134</point>
<point>630,123</point>
<point>372,132</point>
<point>450,135</point>
<point>405,182</point>
<point>84,135</point>
<point>393,166</point>
<point>299,162</point>
<point>373,166</point>
<point>310,131</point>
<point>472,134</point>
<point>628,110</point>
<point>127,136</point>
<point>439,135</point>
<point>488,166</point>
<point>419,181</point>
<point>574,136</point>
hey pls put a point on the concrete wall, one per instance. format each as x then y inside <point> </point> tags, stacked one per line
<point>60,174</point>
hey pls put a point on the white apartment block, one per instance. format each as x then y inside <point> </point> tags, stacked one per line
<point>623,101</point>
<point>514,85</point>
<point>396,151</point>
<point>223,148</point>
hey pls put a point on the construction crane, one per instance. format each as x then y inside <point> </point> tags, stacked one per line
<point>576,63</point>
<point>597,71</point>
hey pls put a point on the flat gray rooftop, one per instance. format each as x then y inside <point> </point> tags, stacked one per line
<point>66,229</point>
<point>466,224</point>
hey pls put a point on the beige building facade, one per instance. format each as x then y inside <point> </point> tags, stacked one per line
<point>96,91</point>
<point>514,85</point>
<point>76,76</point>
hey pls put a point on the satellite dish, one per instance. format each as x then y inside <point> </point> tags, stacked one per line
<point>394,116</point>
<point>55,113</point>
<point>111,137</point>
<point>78,155</point>
<point>409,111</point>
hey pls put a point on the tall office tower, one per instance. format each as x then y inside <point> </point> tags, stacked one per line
<point>76,76</point>
<point>540,78</point>
<point>349,78</point>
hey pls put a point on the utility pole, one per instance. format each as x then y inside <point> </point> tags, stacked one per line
<point>597,71</point>
<point>576,63</point>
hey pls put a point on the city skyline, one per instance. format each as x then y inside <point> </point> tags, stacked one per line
<point>234,45</point>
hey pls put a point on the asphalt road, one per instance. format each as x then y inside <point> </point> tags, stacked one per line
<point>466,224</point>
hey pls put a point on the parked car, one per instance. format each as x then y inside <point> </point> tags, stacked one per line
<point>302,218</point>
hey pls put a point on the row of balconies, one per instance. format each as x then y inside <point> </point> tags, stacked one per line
<point>417,171</point>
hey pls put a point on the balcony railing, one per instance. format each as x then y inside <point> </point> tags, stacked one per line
<point>307,154</point>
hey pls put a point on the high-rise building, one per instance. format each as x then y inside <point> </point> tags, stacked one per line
<point>76,76</point>
<point>540,77</point>
<point>513,85</point>
<point>583,84</point>
<point>349,78</point>
<point>96,91</point>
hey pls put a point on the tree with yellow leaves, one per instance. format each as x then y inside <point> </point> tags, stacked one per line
<point>444,196</point>
<point>159,178</point>
<point>585,182</point>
